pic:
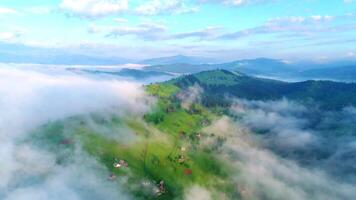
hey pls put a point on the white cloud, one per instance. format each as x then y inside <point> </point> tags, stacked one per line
<point>94,8</point>
<point>190,96</point>
<point>197,193</point>
<point>120,20</point>
<point>6,36</point>
<point>94,29</point>
<point>299,19</point>
<point>207,33</point>
<point>279,118</point>
<point>149,30</point>
<point>6,11</point>
<point>351,54</point>
<point>294,25</point>
<point>262,174</point>
<point>145,30</point>
<point>234,2</point>
<point>100,8</point>
<point>39,10</point>
<point>320,17</point>
<point>32,97</point>
<point>154,7</point>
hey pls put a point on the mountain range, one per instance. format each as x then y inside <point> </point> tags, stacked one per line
<point>341,71</point>
<point>178,59</point>
<point>219,84</point>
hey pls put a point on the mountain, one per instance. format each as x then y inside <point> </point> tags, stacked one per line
<point>17,53</point>
<point>218,84</point>
<point>181,68</point>
<point>135,73</point>
<point>338,70</point>
<point>168,142</point>
<point>178,59</point>
<point>259,66</point>
<point>131,73</point>
<point>308,122</point>
<point>346,73</point>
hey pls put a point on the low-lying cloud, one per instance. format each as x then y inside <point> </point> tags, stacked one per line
<point>311,137</point>
<point>262,174</point>
<point>29,99</point>
<point>190,96</point>
<point>283,119</point>
<point>279,148</point>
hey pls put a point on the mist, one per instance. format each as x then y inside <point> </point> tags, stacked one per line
<point>275,149</point>
<point>264,174</point>
<point>190,96</point>
<point>312,137</point>
<point>31,98</point>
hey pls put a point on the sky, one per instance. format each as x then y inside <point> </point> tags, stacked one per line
<point>222,29</point>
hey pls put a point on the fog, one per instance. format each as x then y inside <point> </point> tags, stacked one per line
<point>30,98</point>
<point>278,149</point>
<point>190,96</point>
<point>262,174</point>
<point>312,137</point>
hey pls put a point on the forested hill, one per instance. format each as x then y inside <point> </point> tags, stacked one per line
<point>219,84</point>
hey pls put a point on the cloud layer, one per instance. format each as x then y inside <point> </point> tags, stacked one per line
<point>30,99</point>
<point>309,136</point>
<point>94,8</point>
<point>263,174</point>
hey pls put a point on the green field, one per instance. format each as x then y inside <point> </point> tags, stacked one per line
<point>164,145</point>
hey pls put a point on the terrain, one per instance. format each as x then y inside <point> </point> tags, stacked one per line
<point>213,135</point>
<point>135,74</point>
<point>266,67</point>
<point>220,83</point>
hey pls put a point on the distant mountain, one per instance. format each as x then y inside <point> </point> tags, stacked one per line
<point>140,74</point>
<point>270,68</point>
<point>218,84</point>
<point>346,73</point>
<point>131,73</point>
<point>338,63</point>
<point>18,53</point>
<point>181,68</point>
<point>260,66</point>
<point>60,59</point>
<point>178,59</point>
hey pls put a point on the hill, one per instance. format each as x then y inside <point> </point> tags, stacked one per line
<point>138,74</point>
<point>218,84</point>
<point>177,59</point>
<point>180,145</point>
<point>345,73</point>
<point>259,66</point>
<point>340,71</point>
<point>181,68</point>
<point>131,73</point>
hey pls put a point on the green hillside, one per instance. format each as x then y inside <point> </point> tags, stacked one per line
<point>166,145</point>
<point>170,149</point>
<point>218,84</point>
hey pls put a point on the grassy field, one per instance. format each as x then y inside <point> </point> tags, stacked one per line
<point>164,145</point>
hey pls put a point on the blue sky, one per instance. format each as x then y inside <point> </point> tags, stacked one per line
<point>224,29</point>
